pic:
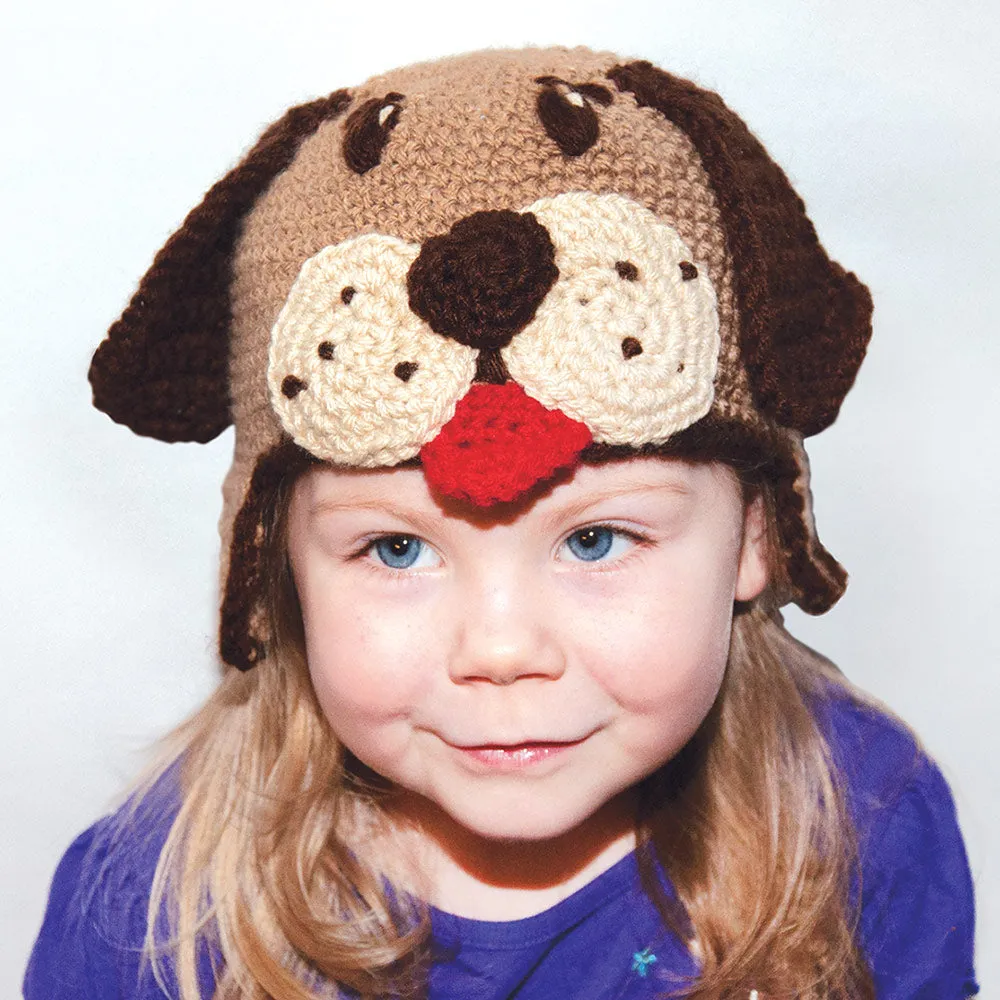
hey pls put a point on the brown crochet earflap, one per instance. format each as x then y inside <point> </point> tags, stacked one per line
<point>804,322</point>
<point>494,265</point>
<point>163,369</point>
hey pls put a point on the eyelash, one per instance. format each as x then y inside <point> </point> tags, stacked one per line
<point>637,538</point>
<point>367,551</point>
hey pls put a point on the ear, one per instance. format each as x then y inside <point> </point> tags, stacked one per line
<point>163,368</point>
<point>752,572</point>
<point>804,321</point>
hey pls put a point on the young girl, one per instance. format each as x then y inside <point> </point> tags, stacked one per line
<point>520,348</point>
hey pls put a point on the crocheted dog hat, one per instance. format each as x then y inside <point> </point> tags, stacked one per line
<point>497,265</point>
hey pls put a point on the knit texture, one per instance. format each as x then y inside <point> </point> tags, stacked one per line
<point>499,445</point>
<point>606,244</point>
<point>356,377</point>
<point>483,280</point>
<point>624,343</point>
<point>626,347</point>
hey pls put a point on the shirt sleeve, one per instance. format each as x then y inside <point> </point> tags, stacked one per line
<point>917,917</point>
<point>90,944</point>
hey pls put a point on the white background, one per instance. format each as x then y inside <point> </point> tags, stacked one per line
<point>119,115</point>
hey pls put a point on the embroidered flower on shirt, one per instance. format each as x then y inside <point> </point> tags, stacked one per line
<point>642,960</point>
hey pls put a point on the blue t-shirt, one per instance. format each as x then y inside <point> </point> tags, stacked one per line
<point>606,940</point>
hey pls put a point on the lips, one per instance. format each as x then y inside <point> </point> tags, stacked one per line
<point>516,756</point>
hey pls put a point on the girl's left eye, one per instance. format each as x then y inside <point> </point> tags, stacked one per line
<point>598,542</point>
<point>402,552</point>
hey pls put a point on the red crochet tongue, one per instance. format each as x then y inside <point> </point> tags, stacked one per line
<point>499,444</point>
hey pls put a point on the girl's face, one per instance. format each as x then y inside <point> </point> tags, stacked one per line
<point>520,670</point>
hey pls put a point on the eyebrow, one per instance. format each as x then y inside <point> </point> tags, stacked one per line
<point>424,521</point>
<point>376,505</point>
<point>577,508</point>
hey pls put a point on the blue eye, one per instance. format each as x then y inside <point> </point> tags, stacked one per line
<point>591,543</point>
<point>398,551</point>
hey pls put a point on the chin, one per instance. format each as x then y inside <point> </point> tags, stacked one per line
<point>524,828</point>
<point>539,817</point>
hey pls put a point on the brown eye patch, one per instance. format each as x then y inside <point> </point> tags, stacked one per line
<point>566,114</point>
<point>597,93</point>
<point>366,131</point>
<point>688,271</point>
<point>627,270</point>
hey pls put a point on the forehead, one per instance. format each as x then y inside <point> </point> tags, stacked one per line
<point>325,487</point>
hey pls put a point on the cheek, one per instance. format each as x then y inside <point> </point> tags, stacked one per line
<point>669,659</point>
<point>680,672</point>
<point>368,669</point>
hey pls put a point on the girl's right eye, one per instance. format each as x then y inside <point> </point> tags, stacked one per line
<point>402,552</point>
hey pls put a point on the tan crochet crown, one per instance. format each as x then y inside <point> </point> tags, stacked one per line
<point>497,264</point>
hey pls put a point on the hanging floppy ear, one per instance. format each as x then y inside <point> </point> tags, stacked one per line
<point>163,368</point>
<point>805,322</point>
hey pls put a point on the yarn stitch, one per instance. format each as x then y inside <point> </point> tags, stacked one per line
<point>500,443</point>
<point>573,358</point>
<point>376,381</point>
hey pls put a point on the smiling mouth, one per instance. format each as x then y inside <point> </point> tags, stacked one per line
<point>515,757</point>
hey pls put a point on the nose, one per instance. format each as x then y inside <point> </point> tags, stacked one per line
<point>482,281</point>
<point>506,636</point>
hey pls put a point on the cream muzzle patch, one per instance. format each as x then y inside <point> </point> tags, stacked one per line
<point>626,341</point>
<point>355,376</point>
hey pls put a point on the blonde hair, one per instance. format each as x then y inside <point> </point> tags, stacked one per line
<point>749,822</point>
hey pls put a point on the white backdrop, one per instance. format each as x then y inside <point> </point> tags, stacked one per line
<point>118,115</point>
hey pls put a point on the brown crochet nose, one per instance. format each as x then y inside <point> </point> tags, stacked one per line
<point>481,282</point>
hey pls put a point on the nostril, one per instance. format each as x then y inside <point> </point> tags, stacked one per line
<point>482,281</point>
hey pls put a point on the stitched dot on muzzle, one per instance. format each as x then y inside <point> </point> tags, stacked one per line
<point>631,348</point>
<point>292,386</point>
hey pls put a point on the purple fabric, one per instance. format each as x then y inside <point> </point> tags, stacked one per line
<point>606,940</point>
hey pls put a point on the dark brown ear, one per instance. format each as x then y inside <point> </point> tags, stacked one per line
<point>805,322</point>
<point>163,368</point>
